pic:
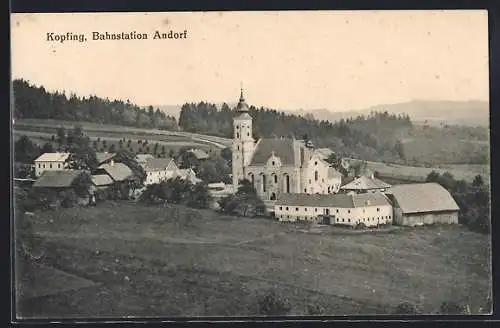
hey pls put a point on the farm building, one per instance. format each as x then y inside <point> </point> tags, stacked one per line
<point>50,162</point>
<point>102,181</point>
<point>57,180</point>
<point>104,158</point>
<point>365,184</point>
<point>188,174</point>
<point>423,203</point>
<point>119,172</point>
<point>370,209</point>
<point>143,158</point>
<point>159,169</point>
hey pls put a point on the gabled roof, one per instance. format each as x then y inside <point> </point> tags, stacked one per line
<point>188,174</point>
<point>365,183</point>
<point>336,200</point>
<point>52,157</point>
<point>283,148</point>
<point>101,180</point>
<point>142,158</point>
<point>117,171</point>
<point>199,154</point>
<point>57,178</point>
<point>103,157</point>
<point>423,197</point>
<point>157,164</point>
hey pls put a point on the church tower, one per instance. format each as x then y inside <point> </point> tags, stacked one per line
<point>243,142</point>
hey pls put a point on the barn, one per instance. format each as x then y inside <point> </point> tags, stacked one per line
<point>423,203</point>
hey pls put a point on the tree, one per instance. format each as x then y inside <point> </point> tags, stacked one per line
<point>199,196</point>
<point>25,151</point>
<point>432,177</point>
<point>399,149</point>
<point>47,148</point>
<point>246,188</point>
<point>126,157</point>
<point>478,181</point>
<point>61,135</point>
<point>82,158</point>
<point>227,154</point>
<point>171,153</point>
<point>112,148</point>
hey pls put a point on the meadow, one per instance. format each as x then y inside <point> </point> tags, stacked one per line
<point>128,259</point>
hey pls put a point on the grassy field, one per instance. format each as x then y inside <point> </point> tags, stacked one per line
<point>174,143</point>
<point>173,261</point>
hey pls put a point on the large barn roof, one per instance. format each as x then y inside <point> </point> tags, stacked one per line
<point>336,200</point>
<point>157,164</point>
<point>423,197</point>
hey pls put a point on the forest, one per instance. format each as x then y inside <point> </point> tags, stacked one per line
<point>35,102</point>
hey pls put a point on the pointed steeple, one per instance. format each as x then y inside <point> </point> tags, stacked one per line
<point>242,105</point>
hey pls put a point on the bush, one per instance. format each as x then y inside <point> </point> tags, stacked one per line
<point>452,308</point>
<point>273,303</point>
<point>406,308</point>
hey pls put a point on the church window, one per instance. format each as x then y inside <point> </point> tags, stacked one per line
<point>50,165</point>
<point>305,190</point>
<point>272,163</point>
<point>237,134</point>
<point>275,179</point>
<point>305,209</point>
<point>237,127</point>
<point>264,183</point>
<point>349,211</point>
<point>297,209</point>
<point>248,134</point>
<point>238,147</point>
<point>315,163</point>
<point>378,209</point>
<point>348,220</point>
<point>59,165</point>
<point>315,175</point>
<point>337,210</point>
<point>286,208</point>
<point>315,210</point>
<point>281,207</point>
<point>287,183</point>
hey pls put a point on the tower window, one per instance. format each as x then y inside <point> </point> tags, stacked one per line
<point>237,127</point>
<point>275,179</point>
<point>237,134</point>
<point>238,147</point>
<point>315,163</point>
<point>248,134</point>
<point>315,175</point>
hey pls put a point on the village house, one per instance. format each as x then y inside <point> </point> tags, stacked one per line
<point>159,169</point>
<point>141,159</point>
<point>119,172</point>
<point>52,183</point>
<point>423,203</point>
<point>101,181</point>
<point>188,174</point>
<point>364,184</point>
<point>50,162</point>
<point>279,165</point>
<point>370,209</point>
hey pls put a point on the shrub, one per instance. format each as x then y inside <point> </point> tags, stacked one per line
<point>273,303</point>
<point>406,308</point>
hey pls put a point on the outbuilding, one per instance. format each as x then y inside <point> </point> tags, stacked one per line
<point>423,203</point>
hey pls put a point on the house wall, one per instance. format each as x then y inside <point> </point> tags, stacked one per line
<point>314,177</point>
<point>153,177</point>
<point>274,187</point>
<point>369,215</point>
<point>40,167</point>
<point>419,219</point>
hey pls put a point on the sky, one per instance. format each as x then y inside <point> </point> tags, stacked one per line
<point>338,60</point>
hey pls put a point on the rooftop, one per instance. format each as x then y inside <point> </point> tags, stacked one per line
<point>101,180</point>
<point>336,200</point>
<point>52,157</point>
<point>423,197</point>
<point>117,171</point>
<point>365,183</point>
<point>57,179</point>
<point>157,164</point>
<point>285,149</point>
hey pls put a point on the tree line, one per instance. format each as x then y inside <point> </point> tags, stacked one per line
<point>367,136</point>
<point>31,101</point>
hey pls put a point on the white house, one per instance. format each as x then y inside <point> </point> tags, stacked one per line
<point>365,184</point>
<point>159,169</point>
<point>370,209</point>
<point>188,174</point>
<point>50,162</point>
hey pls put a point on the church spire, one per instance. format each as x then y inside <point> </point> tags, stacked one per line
<point>242,105</point>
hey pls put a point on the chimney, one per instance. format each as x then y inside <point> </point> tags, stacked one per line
<point>112,162</point>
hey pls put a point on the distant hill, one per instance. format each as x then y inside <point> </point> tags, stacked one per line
<point>470,113</point>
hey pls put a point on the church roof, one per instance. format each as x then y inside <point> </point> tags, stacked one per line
<point>282,148</point>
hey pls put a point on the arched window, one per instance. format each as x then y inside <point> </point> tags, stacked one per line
<point>275,178</point>
<point>315,175</point>
<point>286,182</point>
<point>237,134</point>
<point>273,196</point>
<point>252,180</point>
<point>264,183</point>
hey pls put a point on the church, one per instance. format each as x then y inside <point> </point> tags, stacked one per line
<point>278,166</point>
